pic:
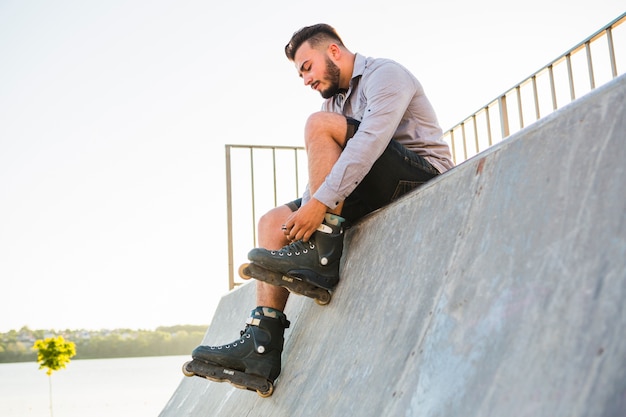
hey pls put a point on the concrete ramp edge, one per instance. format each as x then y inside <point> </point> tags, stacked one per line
<point>497,289</point>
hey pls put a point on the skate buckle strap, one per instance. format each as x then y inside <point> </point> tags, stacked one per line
<point>253,322</point>
<point>324,228</point>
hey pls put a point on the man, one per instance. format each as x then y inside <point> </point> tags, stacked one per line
<point>376,138</point>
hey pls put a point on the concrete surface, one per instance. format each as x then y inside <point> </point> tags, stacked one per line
<point>496,290</point>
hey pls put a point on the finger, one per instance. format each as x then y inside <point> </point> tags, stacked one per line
<point>305,234</point>
<point>290,220</point>
<point>295,233</point>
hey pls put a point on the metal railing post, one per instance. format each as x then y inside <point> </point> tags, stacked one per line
<point>229,220</point>
<point>504,116</point>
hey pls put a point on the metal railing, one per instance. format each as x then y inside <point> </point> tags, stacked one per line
<point>560,82</point>
<point>267,176</point>
<point>566,78</point>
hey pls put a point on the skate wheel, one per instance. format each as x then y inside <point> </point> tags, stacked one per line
<point>323,300</point>
<point>187,372</point>
<point>267,393</point>
<point>242,272</point>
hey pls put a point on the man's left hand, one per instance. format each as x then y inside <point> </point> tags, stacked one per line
<point>303,222</point>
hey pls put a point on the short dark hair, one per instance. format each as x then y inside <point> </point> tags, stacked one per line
<point>315,35</point>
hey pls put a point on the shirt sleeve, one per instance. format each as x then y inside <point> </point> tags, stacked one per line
<point>386,92</point>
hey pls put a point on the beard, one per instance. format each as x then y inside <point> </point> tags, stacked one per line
<point>332,76</point>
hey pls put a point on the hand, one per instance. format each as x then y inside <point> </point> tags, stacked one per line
<point>302,223</point>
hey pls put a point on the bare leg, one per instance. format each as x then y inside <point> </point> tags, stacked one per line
<point>271,237</point>
<point>325,138</point>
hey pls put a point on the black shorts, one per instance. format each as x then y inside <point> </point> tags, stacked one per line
<point>395,173</point>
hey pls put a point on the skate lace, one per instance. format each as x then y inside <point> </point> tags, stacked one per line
<point>295,248</point>
<point>243,336</point>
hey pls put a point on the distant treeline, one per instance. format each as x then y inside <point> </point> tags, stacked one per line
<point>16,345</point>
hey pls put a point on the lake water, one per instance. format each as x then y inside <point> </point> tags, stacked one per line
<point>138,387</point>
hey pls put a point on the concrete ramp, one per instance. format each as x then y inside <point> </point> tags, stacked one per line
<point>498,289</point>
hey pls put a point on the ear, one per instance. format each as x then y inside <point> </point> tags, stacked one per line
<point>334,51</point>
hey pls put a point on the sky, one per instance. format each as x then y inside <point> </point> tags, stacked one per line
<point>114,116</point>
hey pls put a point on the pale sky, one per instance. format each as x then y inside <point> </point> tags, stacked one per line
<point>114,116</point>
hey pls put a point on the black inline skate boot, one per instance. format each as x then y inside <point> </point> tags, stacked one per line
<point>252,362</point>
<point>315,262</point>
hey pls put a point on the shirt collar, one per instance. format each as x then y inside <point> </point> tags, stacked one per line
<point>359,65</point>
<point>357,71</point>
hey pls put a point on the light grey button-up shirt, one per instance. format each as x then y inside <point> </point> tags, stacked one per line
<point>390,104</point>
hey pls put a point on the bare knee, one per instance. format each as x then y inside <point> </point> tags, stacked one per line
<point>270,221</point>
<point>325,127</point>
<point>270,234</point>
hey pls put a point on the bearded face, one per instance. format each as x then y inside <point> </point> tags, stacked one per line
<point>332,77</point>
